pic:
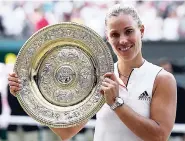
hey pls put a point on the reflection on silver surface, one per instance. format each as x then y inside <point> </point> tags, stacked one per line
<point>60,68</point>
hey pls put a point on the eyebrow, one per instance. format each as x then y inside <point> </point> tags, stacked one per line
<point>128,27</point>
<point>113,30</point>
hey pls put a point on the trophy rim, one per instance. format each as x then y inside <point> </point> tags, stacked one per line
<point>96,107</point>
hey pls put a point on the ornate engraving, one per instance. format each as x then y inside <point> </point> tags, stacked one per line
<point>68,55</point>
<point>60,68</point>
<point>65,75</point>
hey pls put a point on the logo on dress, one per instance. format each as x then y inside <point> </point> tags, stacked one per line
<point>144,96</point>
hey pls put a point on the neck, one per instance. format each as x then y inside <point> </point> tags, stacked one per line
<point>125,67</point>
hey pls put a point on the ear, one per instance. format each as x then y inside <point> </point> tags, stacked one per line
<point>142,29</point>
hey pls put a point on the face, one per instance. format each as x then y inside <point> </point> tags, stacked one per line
<point>124,35</point>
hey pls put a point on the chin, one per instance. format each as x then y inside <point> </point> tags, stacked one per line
<point>125,58</point>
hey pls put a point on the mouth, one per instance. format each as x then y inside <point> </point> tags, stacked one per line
<point>124,49</point>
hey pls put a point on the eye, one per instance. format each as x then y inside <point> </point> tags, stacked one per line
<point>129,31</point>
<point>114,35</point>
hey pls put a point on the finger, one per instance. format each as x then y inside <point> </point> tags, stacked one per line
<point>103,88</point>
<point>11,83</point>
<point>14,79</point>
<point>109,83</point>
<point>108,80</point>
<point>106,84</point>
<point>13,74</point>
<point>14,90</point>
<point>111,76</point>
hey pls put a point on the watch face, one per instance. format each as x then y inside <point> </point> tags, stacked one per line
<point>119,100</point>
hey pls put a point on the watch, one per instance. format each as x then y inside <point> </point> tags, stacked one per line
<point>118,102</point>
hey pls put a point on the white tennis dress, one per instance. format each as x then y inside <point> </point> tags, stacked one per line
<point>140,85</point>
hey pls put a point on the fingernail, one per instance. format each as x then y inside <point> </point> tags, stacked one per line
<point>19,81</point>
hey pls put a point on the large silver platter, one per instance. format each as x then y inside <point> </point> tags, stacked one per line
<point>60,68</point>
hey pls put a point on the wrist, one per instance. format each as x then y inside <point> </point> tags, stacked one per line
<point>117,103</point>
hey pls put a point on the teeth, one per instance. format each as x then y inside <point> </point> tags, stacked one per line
<point>124,49</point>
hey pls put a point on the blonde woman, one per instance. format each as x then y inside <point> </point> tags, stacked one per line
<point>140,97</point>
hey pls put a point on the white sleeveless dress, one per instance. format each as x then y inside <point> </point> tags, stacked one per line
<point>140,85</point>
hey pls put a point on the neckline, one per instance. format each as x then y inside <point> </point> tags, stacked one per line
<point>134,69</point>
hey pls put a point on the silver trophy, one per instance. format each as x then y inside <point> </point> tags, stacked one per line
<point>60,68</point>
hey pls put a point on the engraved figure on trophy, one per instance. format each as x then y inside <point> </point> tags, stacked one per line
<point>65,97</point>
<point>65,75</point>
<point>68,54</point>
<point>85,78</point>
<point>43,81</point>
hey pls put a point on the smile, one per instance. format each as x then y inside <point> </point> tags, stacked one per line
<point>124,49</point>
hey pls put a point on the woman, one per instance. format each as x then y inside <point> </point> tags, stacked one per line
<point>140,97</point>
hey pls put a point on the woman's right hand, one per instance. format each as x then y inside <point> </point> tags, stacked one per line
<point>14,83</point>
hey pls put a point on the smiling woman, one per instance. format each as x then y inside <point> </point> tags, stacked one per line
<point>140,106</point>
<point>144,90</point>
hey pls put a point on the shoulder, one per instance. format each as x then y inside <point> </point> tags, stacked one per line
<point>162,75</point>
<point>165,81</point>
<point>165,76</point>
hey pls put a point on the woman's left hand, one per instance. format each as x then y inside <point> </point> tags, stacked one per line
<point>110,88</point>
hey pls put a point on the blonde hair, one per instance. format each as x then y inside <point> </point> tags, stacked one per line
<point>118,9</point>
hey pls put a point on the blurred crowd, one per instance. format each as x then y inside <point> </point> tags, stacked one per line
<point>164,20</point>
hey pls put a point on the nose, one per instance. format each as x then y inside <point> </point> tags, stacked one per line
<point>123,40</point>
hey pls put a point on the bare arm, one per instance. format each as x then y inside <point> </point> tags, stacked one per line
<point>163,111</point>
<point>67,133</point>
